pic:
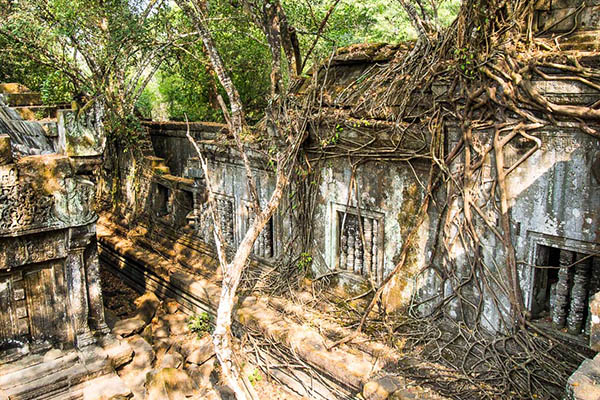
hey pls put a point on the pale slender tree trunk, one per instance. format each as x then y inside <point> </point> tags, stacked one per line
<point>232,271</point>
<point>195,11</point>
<point>232,274</point>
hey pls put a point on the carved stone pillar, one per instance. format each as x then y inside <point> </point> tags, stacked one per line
<point>563,289</point>
<point>96,304</point>
<point>77,285</point>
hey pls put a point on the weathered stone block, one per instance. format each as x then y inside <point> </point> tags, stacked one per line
<point>177,323</point>
<point>558,4</point>
<point>563,19</point>
<point>171,306</point>
<point>169,383</point>
<point>382,388</point>
<point>595,322</point>
<point>582,385</point>
<point>171,360</point>
<point>203,352</point>
<point>161,329</point>
<point>81,134</point>
<point>13,88</point>
<point>106,388</point>
<point>119,353</point>
<point>5,150</point>
<point>146,306</point>
<point>201,373</point>
<point>128,327</point>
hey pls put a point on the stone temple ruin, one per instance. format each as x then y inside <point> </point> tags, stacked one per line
<point>50,295</point>
<point>359,215</point>
<point>554,195</point>
<point>158,236</point>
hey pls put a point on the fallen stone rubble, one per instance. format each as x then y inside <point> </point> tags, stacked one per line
<point>353,369</point>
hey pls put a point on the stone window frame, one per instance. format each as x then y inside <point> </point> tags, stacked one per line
<point>333,240</point>
<point>165,209</point>
<point>246,206</point>
<point>234,218</point>
<point>537,239</point>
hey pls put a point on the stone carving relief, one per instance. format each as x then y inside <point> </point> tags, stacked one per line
<point>75,206</point>
<point>24,208</point>
<point>225,213</point>
<point>81,133</point>
<point>21,207</point>
<point>31,249</point>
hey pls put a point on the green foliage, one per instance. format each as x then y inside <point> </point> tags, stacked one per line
<point>88,49</point>
<point>145,103</point>
<point>186,83</point>
<point>99,47</point>
<point>304,261</point>
<point>200,324</point>
<point>255,377</point>
<point>358,22</point>
<point>57,88</point>
<point>466,62</point>
<point>186,90</point>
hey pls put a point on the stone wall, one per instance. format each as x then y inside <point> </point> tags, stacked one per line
<point>554,197</point>
<point>567,15</point>
<point>361,220</point>
<point>180,193</point>
<point>48,256</point>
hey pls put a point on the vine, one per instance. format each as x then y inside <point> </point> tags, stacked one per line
<point>486,62</point>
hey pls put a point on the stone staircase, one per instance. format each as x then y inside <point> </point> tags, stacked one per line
<point>572,24</point>
<point>587,41</point>
<point>62,375</point>
<point>29,107</point>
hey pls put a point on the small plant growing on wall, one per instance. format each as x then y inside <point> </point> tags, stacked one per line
<point>200,324</point>
<point>304,261</point>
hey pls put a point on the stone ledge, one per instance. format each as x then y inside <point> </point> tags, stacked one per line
<point>179,129</point>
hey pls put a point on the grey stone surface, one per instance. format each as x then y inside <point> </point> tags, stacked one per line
<point>81,134</point>
<point>382,388</point>
<point>144,355</point>
<point>147,305</point>
<point>109,387</point>
<point>128,327</point>
<point>49,272</point>
<point>583,384</point>
<point>203,351</point>
<point>171,360</point>
<point>594,310</point>
<point>177,323</point>
<point>134,373</point>
<point>5,150</point>
<point>119,352</point>
<point>169,383</point>
<point>201,373</point>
